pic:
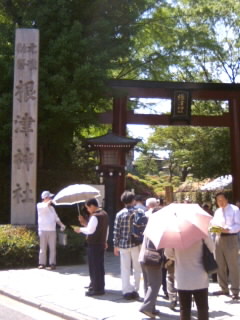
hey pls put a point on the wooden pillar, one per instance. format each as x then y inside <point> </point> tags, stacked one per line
<point>119,126</point>
<point>119,116</point>
<point>234,109</point>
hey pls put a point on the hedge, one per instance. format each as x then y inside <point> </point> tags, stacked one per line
<point>19,248</point>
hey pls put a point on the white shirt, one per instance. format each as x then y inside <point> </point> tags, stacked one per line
<point>228,218</point>
<point>189,271</point>
<point>47,217</point>
<point>91,226</point>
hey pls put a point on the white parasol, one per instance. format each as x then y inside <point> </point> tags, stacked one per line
<point>75,194</point>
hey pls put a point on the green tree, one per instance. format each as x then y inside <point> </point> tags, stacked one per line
<point>82,44</point>
<point>203,152</point>
<point>190,40</point>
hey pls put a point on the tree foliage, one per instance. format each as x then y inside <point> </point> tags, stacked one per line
<point>201,152</point>
<point>197,41</point>
<point>82,44</point>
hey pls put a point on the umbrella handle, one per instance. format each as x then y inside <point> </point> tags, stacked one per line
<point>78,210</point>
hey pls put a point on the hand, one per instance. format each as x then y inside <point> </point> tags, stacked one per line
<point>225,230</point>
<point>77,230</point>
<point>63,227</point>
<point>116,251</point>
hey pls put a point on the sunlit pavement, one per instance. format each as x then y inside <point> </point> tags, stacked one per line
<point>62,292</point>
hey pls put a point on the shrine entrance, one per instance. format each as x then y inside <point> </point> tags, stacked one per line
<point>120,116</point>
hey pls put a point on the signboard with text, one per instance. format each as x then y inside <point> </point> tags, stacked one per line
<point>24,127</point>
<point>181,106</point>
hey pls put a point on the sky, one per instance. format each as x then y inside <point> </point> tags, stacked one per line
<point>148,106</point>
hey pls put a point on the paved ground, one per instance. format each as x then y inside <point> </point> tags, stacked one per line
<point>62,292</point>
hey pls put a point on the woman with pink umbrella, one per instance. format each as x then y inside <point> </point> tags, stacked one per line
<point>181,229</point>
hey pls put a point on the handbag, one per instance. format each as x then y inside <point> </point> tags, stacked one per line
<point>209,262</point>
<point>152,257</point>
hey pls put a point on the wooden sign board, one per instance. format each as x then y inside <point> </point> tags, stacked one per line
<point>181,106</point>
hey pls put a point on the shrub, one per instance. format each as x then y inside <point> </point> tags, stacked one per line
<point>19,248</point>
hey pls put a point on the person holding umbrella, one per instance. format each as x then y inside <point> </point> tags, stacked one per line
<point>47,219</point>
<point>191,278</point>
<point>97,232</point>
<point>180,228</point>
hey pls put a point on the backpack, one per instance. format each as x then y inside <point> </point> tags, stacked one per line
<point>138,225</point>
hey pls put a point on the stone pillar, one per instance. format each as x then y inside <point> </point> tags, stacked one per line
<point>24,127</point>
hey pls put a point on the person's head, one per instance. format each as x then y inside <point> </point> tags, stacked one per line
<point>151,202</point>
<point>139,198</point>
<point>91,205</point>
<point>46,196</point>
<point>206,207</point>
<point>128,198</point>
<point>221,199</point>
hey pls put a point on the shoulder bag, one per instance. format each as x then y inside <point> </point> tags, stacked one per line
<point>152,257</point>
<point>209,263</point>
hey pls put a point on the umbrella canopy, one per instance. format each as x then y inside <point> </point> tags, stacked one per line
<point>75,193</point>
<point>178,225</point>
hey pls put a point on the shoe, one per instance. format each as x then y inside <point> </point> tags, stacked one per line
<point>41,266</point>
<point>92,293</point>
<point>51,267</point>
<point>128,296</point>
<point>89,287</point>
<point>148,313</point>
<point>135,295</point>
<point>221,293</point>
<point>173,304</point>
<point>156,313</point>
<point>235,297</point>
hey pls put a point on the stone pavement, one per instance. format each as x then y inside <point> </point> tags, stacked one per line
<point>62,292</point>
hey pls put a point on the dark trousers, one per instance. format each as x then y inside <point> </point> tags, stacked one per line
<point>164,279</point>
<point>96,267</point>
<point>201,300</point>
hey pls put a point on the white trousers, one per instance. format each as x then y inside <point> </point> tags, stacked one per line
<point>129,261</point>
<point>47,239</point>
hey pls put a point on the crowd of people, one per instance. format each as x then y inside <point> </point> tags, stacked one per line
<point>180,272</point>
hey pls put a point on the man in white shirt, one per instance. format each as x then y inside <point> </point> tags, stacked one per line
<point>227,216</point>
<point>47,219</point>
<point>96,230</point>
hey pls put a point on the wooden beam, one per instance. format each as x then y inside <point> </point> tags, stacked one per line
<point>165,120</point>
<point>165,89</point>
